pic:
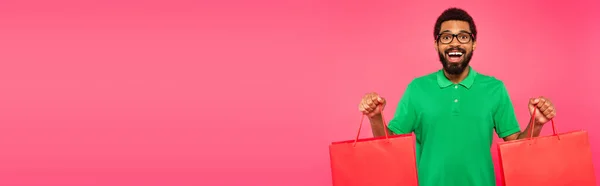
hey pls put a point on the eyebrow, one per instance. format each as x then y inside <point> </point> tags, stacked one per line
<point>461,31</point>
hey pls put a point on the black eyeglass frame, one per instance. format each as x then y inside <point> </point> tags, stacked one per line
<point>437,38</point>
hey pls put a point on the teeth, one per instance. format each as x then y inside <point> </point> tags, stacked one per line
<point>455,53</point>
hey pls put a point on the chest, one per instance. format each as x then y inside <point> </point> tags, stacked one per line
<point>456,109</point>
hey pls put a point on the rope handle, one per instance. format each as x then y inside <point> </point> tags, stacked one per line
<point>532,124</point>
<point>362,119</point>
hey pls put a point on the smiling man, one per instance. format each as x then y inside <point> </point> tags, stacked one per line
<point>455,111</point>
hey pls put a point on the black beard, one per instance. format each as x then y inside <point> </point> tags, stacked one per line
<point>455,69</point>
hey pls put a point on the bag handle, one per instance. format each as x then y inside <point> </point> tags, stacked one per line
<point>363,119</point>
<point>532,124</point>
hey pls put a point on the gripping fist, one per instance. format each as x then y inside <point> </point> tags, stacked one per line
<point>545,109</point>
<point>371,105</point>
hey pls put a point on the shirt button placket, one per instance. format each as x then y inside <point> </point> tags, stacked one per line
<point>456,105</point>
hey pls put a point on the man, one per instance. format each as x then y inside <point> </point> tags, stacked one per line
<point>454,112</point>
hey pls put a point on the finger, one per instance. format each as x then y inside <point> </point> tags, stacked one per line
<point>547,112</point>
<point>541,102</point>
<point>534,101</point>
<point>551,110</point>
<point>370,103</point>
<point>373,106</point>
<point>381,100</point>
<point>367,97</point>
<point>551,115</point>
<point>545,106</point>
<point>372,100</point>
<point>368,108</point>
<point>375,99</point>
<point>363,106</point>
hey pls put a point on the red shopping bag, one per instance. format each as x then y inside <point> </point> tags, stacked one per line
<point>562,159</point>
<point>381,161</point>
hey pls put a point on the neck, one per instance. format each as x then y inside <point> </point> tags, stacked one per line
<point>458,77</point>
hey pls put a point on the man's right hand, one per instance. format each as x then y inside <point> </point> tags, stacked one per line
<point>371,105</point>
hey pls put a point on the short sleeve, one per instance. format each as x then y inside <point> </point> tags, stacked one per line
<point>404,118</point>
<point>505,120</point>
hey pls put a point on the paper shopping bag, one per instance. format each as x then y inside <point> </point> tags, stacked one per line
<point>381,161</point>
<point>562,159</point>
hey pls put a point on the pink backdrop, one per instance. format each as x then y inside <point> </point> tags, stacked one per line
<point>231,93</point>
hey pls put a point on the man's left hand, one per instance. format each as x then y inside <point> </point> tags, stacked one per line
<point>545,110</point>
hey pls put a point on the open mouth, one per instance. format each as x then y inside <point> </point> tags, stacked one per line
<point>454,56</point>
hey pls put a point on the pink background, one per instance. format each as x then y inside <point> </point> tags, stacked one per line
<point>231,93</point>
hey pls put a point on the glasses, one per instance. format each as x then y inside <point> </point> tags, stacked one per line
<point>462,37</point>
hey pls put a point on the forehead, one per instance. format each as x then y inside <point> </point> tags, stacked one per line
<point>455,26</point>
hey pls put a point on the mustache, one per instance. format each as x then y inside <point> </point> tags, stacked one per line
<point>457,49</point>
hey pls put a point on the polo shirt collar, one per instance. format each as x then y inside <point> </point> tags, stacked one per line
<point>445,82</point>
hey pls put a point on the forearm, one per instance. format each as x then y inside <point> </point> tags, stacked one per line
<point>377,127</point>
<point>537,128</point>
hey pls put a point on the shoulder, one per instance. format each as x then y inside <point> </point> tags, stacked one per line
<point>491,85</point>
<point>489,81</point>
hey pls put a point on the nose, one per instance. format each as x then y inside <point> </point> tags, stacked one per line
<point>455,42</point>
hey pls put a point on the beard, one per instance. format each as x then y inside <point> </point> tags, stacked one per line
<point>455,68</point>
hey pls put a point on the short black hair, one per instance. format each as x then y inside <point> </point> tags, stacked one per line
<point>456,14</point>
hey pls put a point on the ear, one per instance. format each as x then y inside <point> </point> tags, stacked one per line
<point>474,45</point>
<point>435,45</point>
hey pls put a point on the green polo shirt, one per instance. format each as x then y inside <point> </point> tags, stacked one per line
<point>454,126</point>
